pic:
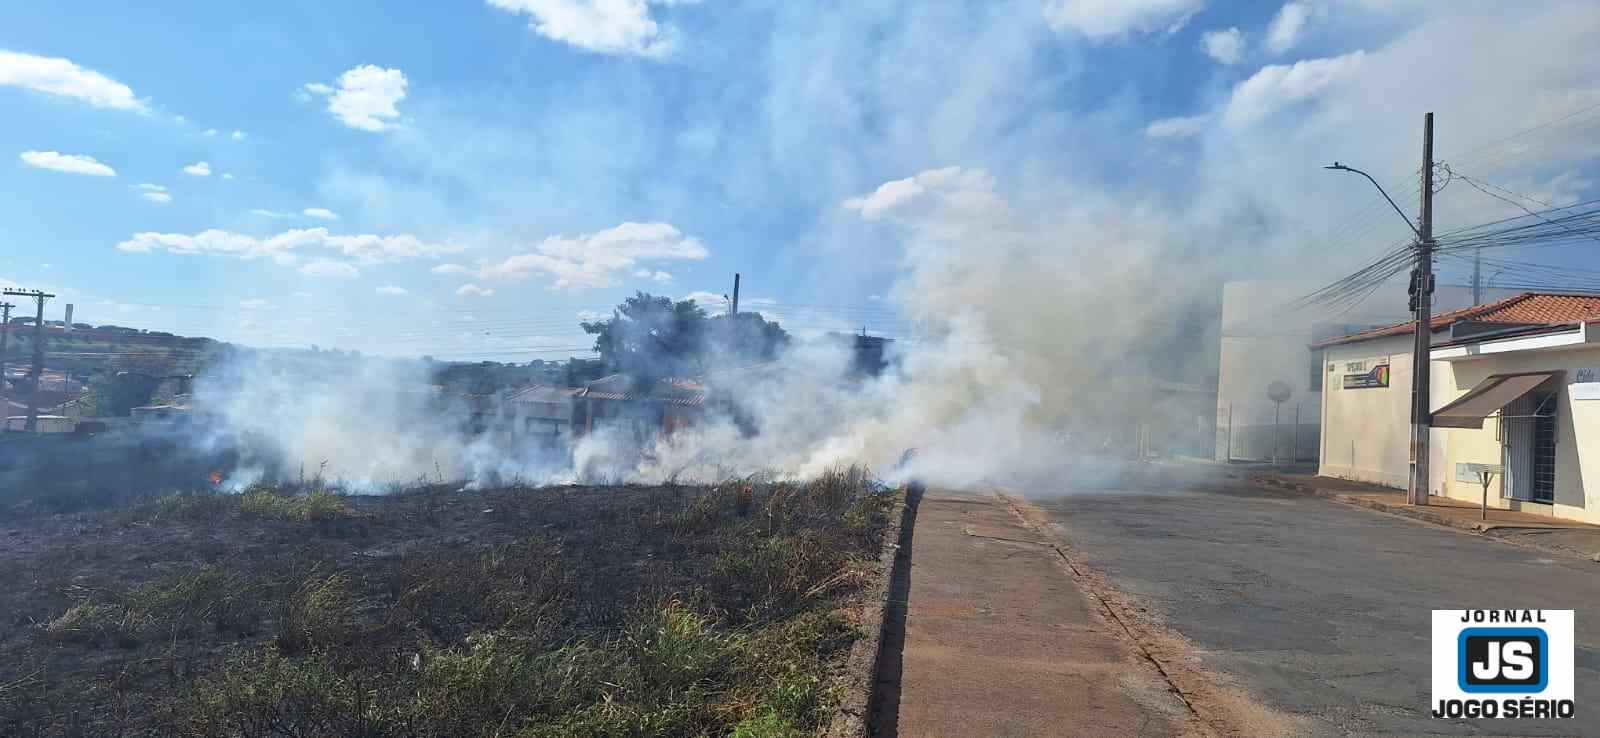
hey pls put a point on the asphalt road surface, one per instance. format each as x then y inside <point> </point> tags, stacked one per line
<point>1318,608</point>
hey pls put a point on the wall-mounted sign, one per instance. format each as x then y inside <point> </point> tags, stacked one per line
<point>1377,376</point>
<point>1355,366</point>
<point>1585,384</point>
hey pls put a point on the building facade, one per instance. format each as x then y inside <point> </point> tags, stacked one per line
<point>1515,398</point>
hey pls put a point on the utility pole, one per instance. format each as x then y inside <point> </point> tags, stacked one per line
<point>1477,276</point>
<point>36,374</point>
<point>1422,304</point>
<point>735,293</point>
<point>5,334</point>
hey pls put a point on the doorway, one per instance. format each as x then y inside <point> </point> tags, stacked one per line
<point>1528,447</point>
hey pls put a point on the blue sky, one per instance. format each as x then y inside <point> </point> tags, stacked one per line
<point>485,172</point>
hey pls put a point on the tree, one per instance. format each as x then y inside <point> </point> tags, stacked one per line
<point>745,338</point>
<point>116,395</point>
<point>649,338</point>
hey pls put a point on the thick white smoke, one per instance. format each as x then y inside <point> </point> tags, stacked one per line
<point>364,424</point>
<point>1038,328</point>
<point>1037,337</point>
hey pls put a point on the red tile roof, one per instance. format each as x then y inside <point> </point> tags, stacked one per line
<point>1527,308</point>
<point>670,391</point>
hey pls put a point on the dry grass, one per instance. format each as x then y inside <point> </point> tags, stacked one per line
<point>270,503</point>
<point>518,612</point>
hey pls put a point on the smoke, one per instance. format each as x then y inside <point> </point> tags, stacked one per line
<point>1039,333</point>
<point>1038,330</point>
<point>365,424</point>
<point>1066,264</point>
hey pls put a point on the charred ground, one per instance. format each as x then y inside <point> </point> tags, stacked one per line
<point>616,610</point>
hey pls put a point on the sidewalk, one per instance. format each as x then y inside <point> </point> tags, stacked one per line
<point>1553,535</point>
<point>999,640</point>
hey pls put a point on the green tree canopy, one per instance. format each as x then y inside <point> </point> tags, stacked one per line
<point>649,337</point>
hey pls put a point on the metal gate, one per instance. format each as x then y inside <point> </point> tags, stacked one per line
<point>1528,438</point>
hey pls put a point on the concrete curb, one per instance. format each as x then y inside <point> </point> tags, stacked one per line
<point>853,717</point>
<point>1474,527</point>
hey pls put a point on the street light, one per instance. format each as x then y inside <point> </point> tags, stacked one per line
<point>1422,305</point>
<point>1342,168</point>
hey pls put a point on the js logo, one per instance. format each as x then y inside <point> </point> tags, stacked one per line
<point>1503,664</point>
<point>1503,660</point>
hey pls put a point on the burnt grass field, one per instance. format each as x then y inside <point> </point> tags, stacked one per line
<point>721,610</point>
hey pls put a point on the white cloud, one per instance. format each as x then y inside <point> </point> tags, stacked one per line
<point>152,192</point>
<point>324,268</point>
<point>227,175</point>
<point>472,290</point>
<point>596,259</point>
<point>69,163</point>
<point>1226,46</point>
<point>657,276</point>
<point>238,135</point>
<point>1183,127</point>
<point>590,316</point>
<point>451,269</point>
<point>210,132</point>
<point>949,188</point>
<point>366,97</point>
<point>302,295</point>
<point>1278,85</point>
<point>286,247</point>
<point>256,303</point>
<point>320,213</point>
<point>1284,31</point>
<point>63,78</point>
<point>706,299</point>
<point>1106,19</point>
<point>263,212</point>
<point>198,169</point>
<point>622,27</point>
<point>390,289</point>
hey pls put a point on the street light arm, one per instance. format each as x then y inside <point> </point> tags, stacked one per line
<point>1343,168</point>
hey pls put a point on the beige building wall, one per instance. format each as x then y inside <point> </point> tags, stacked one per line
<point>1365,432</point>
<point>1577,433</point>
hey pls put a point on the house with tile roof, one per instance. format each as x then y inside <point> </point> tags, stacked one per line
<point>1514,395</point>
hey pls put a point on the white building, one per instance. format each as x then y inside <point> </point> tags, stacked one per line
<point>1515,390</point>
<point>46,423</point>
<point>1263,343</point>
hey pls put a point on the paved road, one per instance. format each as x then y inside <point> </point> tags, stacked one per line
<point>1319,608</point>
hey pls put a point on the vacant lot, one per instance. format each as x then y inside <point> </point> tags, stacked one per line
<point>570,611</point>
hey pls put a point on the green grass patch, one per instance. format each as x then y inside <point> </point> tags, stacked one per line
<point>99,624</point>
<point>670,672</point>
<point>270,503</point>
<point>318,617</point>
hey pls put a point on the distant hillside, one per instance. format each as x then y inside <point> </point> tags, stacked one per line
<point>111,348</point>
